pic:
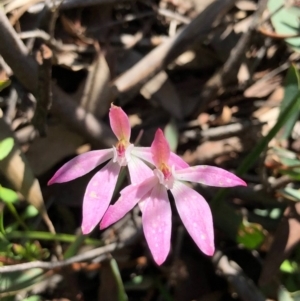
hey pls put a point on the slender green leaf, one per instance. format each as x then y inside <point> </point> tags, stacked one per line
<point>4,83</point>
<point>289,266</point>
<point>291,193</point>
<point>6,145</point>
<point>231,219</point>
<point>33,298</point>
<point>296,296</point>
<point>74,246</point>
<point>122,296</point>
<point>285,21</point>
<point>282,119</point>
<point>49,236</point>
<point>291,90</point>
<point>171,134</point>
<point>284,295</point>
<point>16,281</point>
<point>250,235</point>
<point>8,195</point>
<point>29,212</point>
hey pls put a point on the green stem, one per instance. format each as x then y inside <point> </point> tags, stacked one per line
<point>14,212</point>
<point>49,236</point>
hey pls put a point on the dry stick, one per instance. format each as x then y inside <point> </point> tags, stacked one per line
<point>44,91</point>
<point>130,81</point>
<point>98,254</point>
<point>230,69</point>
<point>25,69</point>
<point>231,66</point>
<point>68,4</point>
<point>244,286</point>
<point>16,56</point>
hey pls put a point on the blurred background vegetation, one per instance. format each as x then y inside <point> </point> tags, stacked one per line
<point>220,77</point>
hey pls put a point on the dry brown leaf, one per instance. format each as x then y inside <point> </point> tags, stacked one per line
<point>224,118</point>
<point>161,89</point>
<point>263,88</point>
<point>74,28</point>
<point>269,112</point>
<point>97,96</point>
<point>243,25</point>
<point>70,60</point>
<point>243,74</point>
<point>44,153</point>
<point>211,149</point>
<point>18,171</point>
<point>246,5</point>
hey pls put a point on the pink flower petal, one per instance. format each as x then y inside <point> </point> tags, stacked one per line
<point>157,223</point>
<point>119,123</point>
<point>138,170</point>
<point>145,154</point>
<point>81,165</point>
<point>195,215</point>
<point>177,162</point>
<point>98,195</point>
<point>209,175</point>
<point>130,196</point>
<point>160,149</point>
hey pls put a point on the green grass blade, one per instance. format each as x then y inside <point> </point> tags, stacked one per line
<point>122,296</point>
<point>69,238</point>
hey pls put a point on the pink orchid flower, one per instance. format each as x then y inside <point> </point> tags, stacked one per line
<point>100,189</point>
<point>192,208</point>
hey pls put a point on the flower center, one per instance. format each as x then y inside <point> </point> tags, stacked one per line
<point>122,152</point>
<point>165,175</point>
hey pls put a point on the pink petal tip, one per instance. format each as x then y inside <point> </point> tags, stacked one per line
<point>119,123</point>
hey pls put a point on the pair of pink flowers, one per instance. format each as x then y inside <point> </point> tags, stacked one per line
<point>153,171</point>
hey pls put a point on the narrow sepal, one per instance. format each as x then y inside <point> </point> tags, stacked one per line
<point>160,149</point>
<point>196,216</point>
<point>209,175</point>
<point>157,223</point>
<point>119,123</point>
<point>80,165</point>
<point>98,195</point>
<point>130,196</point>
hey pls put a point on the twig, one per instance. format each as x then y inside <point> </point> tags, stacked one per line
<point>69,4</point>
<point>223,130</point>
<point>126,19</point>
<point>98,252</point>
<point>230,129</point>
<point>173,15</point>
<point>243,285</point>
<point>128,39</point>
<point>38,33</point>
<point>231,66</point>
<point>164,54</point>
<point>11,105</point>
<point>26,134</point>
<point>44,92</point>
<point>97,255</point>
<point>229,71</point>
<point>15,54</point>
